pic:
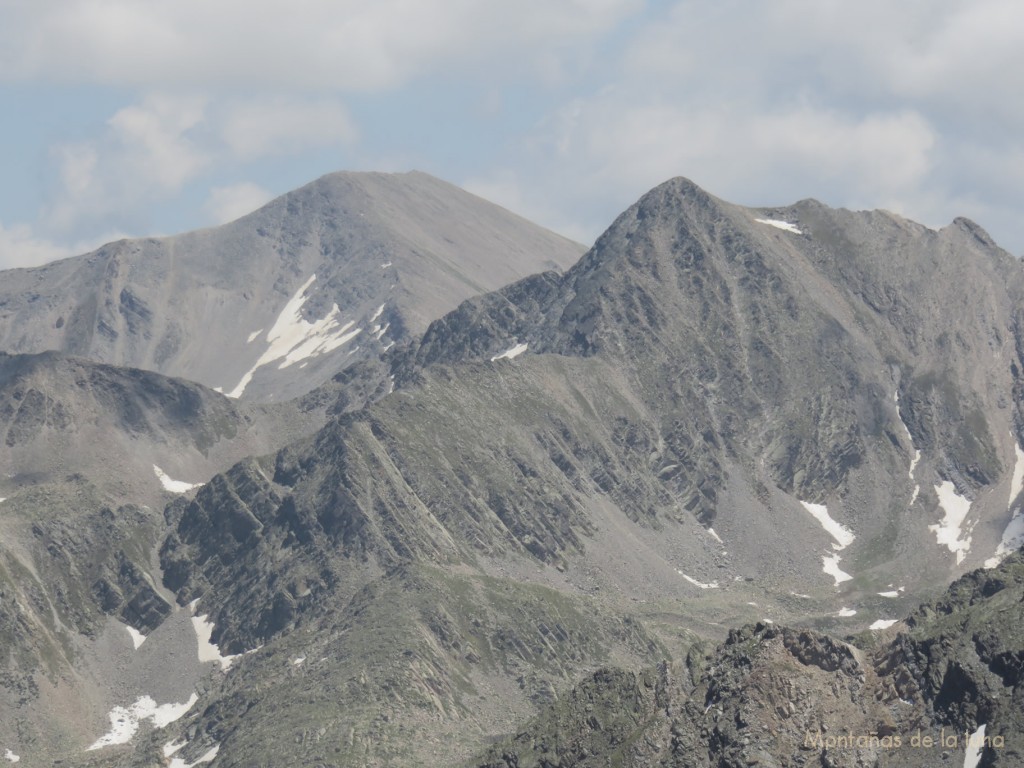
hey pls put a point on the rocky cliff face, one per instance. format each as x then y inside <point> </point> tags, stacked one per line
<point>89,456</point>
<point>720,416</point>
<point>944,685</point>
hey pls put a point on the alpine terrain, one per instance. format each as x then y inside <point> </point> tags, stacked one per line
<point>698,500</point>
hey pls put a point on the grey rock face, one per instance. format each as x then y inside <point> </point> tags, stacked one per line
<point>774,696</point>
<point>719,415</point>
<point>697,368</point>
<point>236,307</point>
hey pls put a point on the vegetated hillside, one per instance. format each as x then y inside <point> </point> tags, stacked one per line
<point>275,303</point>
<point>945,683</point>
<point>720,414</point>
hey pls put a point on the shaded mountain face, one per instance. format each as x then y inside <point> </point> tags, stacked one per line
<point>853,360</point>
<point>89,456</point>
<point>272,305</point>
<point>945,686</point>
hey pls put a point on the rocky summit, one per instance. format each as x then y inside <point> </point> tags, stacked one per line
<point>695,501</point>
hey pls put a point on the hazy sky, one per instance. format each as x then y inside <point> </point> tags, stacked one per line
<point>139,117</point>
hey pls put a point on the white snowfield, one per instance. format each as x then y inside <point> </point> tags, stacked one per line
<point>378,313</point>
<point>715,536</point>
<point>137,637</point>
<point>173,486</point>
<point>917,453</point>
<point>975,747</point>
<point>892,593</point>
<point>11,757</point>
<point>207,649</point>
<point>883,623</point>
<point>779,224</point>
<point>293,339</point>
<point>830,565</point>
<point>701,584</point>
<point>511,352</point>
<point>1017,483</point>
<point>950,530</point>
<point>1013,536</point>
<point>843,538</point>
<point>207,757</point>
<point>124,721</point>
<point>173,746</point>
<point>846,612</point>
<point>1012,540</point>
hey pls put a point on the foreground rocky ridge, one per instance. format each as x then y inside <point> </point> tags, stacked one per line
<point>774,696</point>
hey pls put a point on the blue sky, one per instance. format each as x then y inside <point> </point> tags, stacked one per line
<point>142,117</point>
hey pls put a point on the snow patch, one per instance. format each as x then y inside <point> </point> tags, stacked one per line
<point>293,339</point>
<point>206,758</point>
<point>702,585</point>
<point>975,746</point>
<point>124,721</point>
<point>253,336</point>
<point>891,593</point>
<point>830,565</point>
<point>1017,483</point>
<point>883,623</point>
<point>844,536</point>
<point>299,661</point>
<point>8,755</point>
<point>173,746</point>
<point>917,453</point>
<point>1012,540</point>
<point>715,536</point>
<point>846,612</point>
<point>174,486</point>
<point>137,637</point>
<point>955,508</point>
<point>378,313</point>
<point>511,353</point>
<point>208,650</point>
<point>779,224</point>
<point>385,265</point>
<point>804,597</point>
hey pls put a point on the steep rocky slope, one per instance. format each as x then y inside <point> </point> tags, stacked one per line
<point>720,415</point>
<point>89,456</point>
<point>944,685</point>
<point>273,304</point>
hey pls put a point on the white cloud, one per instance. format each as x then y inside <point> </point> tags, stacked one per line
<point>347,44</point>
<point>226,204</point>
<point>19,247</point>
<point>145,154</point>
<point>279,125</point>
<point>908,106</point>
